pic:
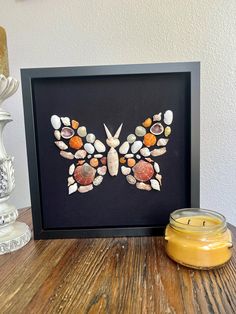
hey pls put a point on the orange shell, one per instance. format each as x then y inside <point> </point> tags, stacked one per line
<point>94,162</point>
<point>103,160</point>
<point>149,139</point>
<point>143,171</point>
<point>122,160</point>
<point>74,124</point>
<point>131,162</point>
<point>147,123</point>
<point>76,142</point>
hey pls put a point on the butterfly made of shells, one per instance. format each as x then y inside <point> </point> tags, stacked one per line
<point>136,156</point>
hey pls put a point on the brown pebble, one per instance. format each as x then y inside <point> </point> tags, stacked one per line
<point>94,162</point>
<point>74,124</point>
<point>122,160</point>
<point>103,160</point>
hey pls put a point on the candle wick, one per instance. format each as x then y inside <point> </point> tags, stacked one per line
<point>204,223</point>
<point>188,221</point>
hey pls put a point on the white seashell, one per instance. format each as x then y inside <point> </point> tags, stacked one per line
<point>89,156</point>
<point>65,121</point>
<point>98,155</point>
<point>71,169</point>
<point>57,134</point>
<point>66,155</point>
<point>130,179</point>
<point>61,145</point>
<point>67,132</point>
<point>157,117</point>
<point>162,141</point>
<point>80,154</point>
<point>90,138</point>
<point>89,148</point>
<point>102,170</point>
<point>158,151</point>
<point>73,188</point>
<point>157,129</point>
<point>145,152</point>
<point>136,146</point>
<point>129,155</point>
<point>85,188</point>
<point>168,117</point>
<point>82,131</point>
<point>113,162</point>
<point>155,184</point>
<point>143,186</point>
<point>70,180</point>
<point>156,167</point>
<point>131,138</point>
<point>100,147</point>
<point>159,177</point>
<point>138,156</point>
<point>124,148</point>
<point>97,180</point>
<point>125,170</point>
<point>140,131</point>
<point>56,122</point>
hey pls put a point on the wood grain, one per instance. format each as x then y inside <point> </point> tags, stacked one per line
<point>113,275</point>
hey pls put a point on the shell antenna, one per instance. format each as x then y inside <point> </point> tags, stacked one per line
<point>108,133</point>
<point>117,134</point>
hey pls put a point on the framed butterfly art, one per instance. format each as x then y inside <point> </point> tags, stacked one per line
<point>112,150</point>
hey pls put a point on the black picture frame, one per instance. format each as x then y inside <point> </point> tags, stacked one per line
<point>28,76</point>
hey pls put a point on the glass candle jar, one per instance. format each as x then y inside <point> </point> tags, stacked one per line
<point>198,238</point>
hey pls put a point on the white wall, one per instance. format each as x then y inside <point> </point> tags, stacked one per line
<point>86,32</point>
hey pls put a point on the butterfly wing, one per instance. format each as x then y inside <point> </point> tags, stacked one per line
<point>140,151</point>
<point>84,150</point>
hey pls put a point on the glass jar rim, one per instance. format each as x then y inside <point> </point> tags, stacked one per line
<point>195,212</point>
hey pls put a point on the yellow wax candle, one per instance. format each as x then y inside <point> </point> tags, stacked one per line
<point>198,238</point>
<point>4,68</point>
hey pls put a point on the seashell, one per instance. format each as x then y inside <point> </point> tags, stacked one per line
<point>136,146</point>
<point>85,188</point>
<point>158,151</point>
<point>167,131</point>
<point>145,152</point>
<point>71,169</point>
<point>97,180</point>
<point>56,122</point>
<point>89,156</point>
<point>130,179</point>
<point>66,155</point>
<point>100,147</point>
<point>113,162</point>
<point>75,142</point>
<point>125,170</point>
<point>57,134</point>
<point>80,154</point>
<point>65,121</point>
<point>129,155</point>
<point>67,132</point>
<point>157,129</point>
<point>162,141</point>
<point>155,185</point>
<point>168,117</point>
<point>74,124</point>
<point>143,186</point>
<point>94,162</point>
<point>73,188</point>
<point>149,139</point>
<point>140,131</point>
<point>122,160</point>
<point>104,160</point>
<point>131,162</point>
<point>124,148</point>
<point>84,174</point>
<point>131,138</point>
<point>61,145</point>
<point>147,123</point>
<point>81,162</point>
<point>89,148</point>
<point>138,156</point>
<point>149,159</point>
<point>143,171</point>
<point>70,181</point>
<point>98,155</point>
<point>159,177</point>
<point>82,131</point>
<point>156,167</point>
<point>102,170</point>
<point>157,117</point>
<point>90,138</point>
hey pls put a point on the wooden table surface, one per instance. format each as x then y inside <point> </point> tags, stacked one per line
<point>112,275</point>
